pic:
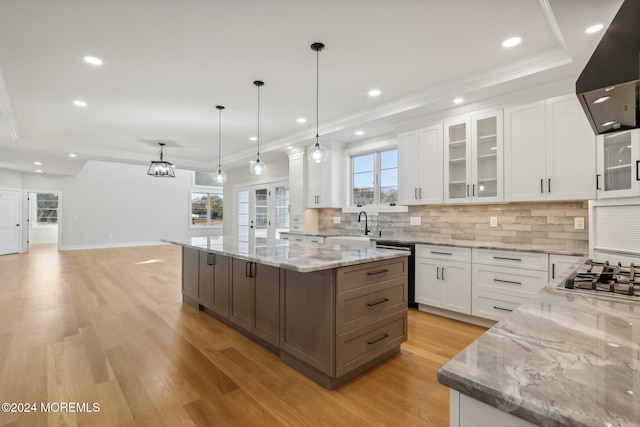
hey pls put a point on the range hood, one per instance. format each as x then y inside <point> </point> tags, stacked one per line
<point>608,85</point>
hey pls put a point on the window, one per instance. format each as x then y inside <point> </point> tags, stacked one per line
<point>46,209</point>
<point>204,179</point>
<point>374,179</point>
<point>206,209</point>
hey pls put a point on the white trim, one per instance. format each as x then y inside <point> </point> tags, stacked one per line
<point>25,236</point>
<point>20,215</point>
<point>375,208</point>
<point>6,107</point>
<point>553,23</point>
<point>111,245</point>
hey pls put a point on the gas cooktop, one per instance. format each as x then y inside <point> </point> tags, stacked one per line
<point>595,276</point>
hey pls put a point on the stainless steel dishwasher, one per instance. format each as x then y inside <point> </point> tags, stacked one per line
<point>411,274</point>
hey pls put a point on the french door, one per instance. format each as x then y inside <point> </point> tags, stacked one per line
<point>262,211</point>
<point>9,222</point>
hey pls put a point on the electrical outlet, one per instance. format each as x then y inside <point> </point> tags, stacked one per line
<point>493,221</point>
<point>415,220</point>
<point>336,220</point>
<point>578,223</point>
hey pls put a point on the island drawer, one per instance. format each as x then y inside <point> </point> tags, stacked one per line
<point>364,344</point>
<point>493,306</point>
<point>450,253</point>
<point>364,305</point>
<point>506,280</point>
<point>355,276</point>
<point>527,260</point>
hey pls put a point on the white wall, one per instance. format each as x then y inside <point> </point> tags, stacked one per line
<point>10,179</point>
<point>113,204</point>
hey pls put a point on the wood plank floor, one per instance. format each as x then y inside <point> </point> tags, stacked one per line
<point>108,327</point>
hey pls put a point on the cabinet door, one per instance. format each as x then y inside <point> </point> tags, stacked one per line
<point>486,185</point>
<point>618,154</point>
<point>430,168</point>
<point>314,183</point>
<point>558,265</point>
<point>205,278</point>
<point>456,286</point>
<point>190,271</point>
<point>297,180</point>
<point>266,319</point>
<point>571,162</point>
<point>221,284</point>
<point>428,283</point>
<point>457,161</point>
<point>242,293</point>
<point>524,152</point>
<point>409,167</point>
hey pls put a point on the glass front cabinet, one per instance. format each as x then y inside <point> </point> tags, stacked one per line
<point>473,159</point>
<point>618,165</point>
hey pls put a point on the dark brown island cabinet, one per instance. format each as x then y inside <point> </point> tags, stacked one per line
<point>330,325</point>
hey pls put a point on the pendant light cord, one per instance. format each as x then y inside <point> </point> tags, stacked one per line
<point>219,137</point>
<point>317,93</point>
<point>258,121</point>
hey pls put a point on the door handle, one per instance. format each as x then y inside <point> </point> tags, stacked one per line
<point>415,193</point>
<point>598,182</point>
<point>247,269</point>
<point>467,190</point>
<point>637,170</point>
<point>211,259</point>
<point>442,273</point>
<point>420,192</point>
<point>473,193</point>
<point>549,185</point>
<point>438,273</point>
<point>542,185</point>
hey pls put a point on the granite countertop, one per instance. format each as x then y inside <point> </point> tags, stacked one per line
<point>299,256</point>
<point>562,358</point>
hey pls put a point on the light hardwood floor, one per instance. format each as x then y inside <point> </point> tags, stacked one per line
<point>108,326</point>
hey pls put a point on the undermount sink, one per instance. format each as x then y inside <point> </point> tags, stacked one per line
<point>350,240</point>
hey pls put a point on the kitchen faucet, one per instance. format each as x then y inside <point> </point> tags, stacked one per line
<point>366,224</point>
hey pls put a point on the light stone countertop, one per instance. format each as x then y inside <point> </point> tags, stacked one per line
<point>299,256</point>
<point>562,358</point>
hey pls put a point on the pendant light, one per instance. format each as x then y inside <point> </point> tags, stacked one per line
<point>317,153</point>
<point>257,167</point>
<point>219,177</point>
<point>161,169</point>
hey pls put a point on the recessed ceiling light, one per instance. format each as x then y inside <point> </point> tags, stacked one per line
<point>601,99</point>
<point>37,163</point>
<point>93,60</point>
<point>72,155</point>
<point>608,123</point>
<point>511,42</point>
<point>80,103</point>
<point>253,138</point>
<point>301,120</point>
<point>458,100</point>
<point>374,92</point>
<point>359,132</point>
<point>289,147</point>
<point>38,170</point>
<point>594,29</point>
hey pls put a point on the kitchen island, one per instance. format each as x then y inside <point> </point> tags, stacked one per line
<point>329,311</point>
<point>561,359</point>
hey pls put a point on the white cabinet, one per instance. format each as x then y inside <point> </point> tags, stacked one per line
<point>297,180</point>
<point>473,159</point>
<point>558,265</point>
<point>325,181</point>
<point>421,166</point>
<point>618,163</point>
<point>442,282</point>
<point>548,151</point>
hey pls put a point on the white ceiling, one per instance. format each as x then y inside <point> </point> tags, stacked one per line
<point>167,63</point>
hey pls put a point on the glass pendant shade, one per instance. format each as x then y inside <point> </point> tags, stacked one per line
<point>317,153</point>
<point>258,167</point>
<point>219,177</point>
<point>160,168</point>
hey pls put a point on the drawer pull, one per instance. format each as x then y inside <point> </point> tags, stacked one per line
<point>211,259</point>
<point>379,339</point>
<point>373,273</point>
<point>371,304</point>
<point>507,281</point>
<point>441,253</point>
<point>507,258</point>
<point>500,308</point>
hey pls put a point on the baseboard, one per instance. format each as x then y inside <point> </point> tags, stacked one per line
<point>110,245</point>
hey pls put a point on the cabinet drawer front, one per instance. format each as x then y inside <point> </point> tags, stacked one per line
<point>505,280</point>
<point>363,344</point>
<point>296,219</point>
<point>355,276</point>
<point>451,253</point>
<point>297,228</point>
<point>315,239</point>
<point>494,306</point>
<point>528,260</point>
<point>364,305</point>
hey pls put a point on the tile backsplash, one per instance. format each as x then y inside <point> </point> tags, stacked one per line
<point>548,224</point>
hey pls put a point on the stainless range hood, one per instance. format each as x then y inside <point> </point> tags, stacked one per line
<point>608,85</point>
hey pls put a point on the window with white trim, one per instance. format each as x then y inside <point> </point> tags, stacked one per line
<point>206,208</point>
<point>46,209</point>
<point>374,178</point>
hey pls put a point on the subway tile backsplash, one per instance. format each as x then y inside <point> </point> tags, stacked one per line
<point>548,224</point>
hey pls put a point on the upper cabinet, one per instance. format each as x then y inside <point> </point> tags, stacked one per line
<point>549,151</point>
<point>297,181</point>
<point>420,164</point>
<point>325,180</point>
<point>618,164</point>
<point>473,159</point>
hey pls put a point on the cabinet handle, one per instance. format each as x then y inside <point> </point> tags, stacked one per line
<point>379,339</point>
<point>507,281</point>
<point>420,192</point>
<point>553,271</point>
<point>438,273</point>
<point>637,170</point>
<point>415,193</point>
<point>253,269</point>
<point>247,269</point>
<point>442,273</point>
<point>372,273</point>
<point>383,300</point>
<point>542,185</point>
<point>598,182</point>
<point>211,259</point>
<point>467,190</point>
<point>549,185</point>
<point>500,308</point>
<point>441,253</point>
<point>473,193</point>
<point>507,258</point>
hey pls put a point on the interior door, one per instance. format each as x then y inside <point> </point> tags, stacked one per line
<point>9,222</point>
<point>263,211</point>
